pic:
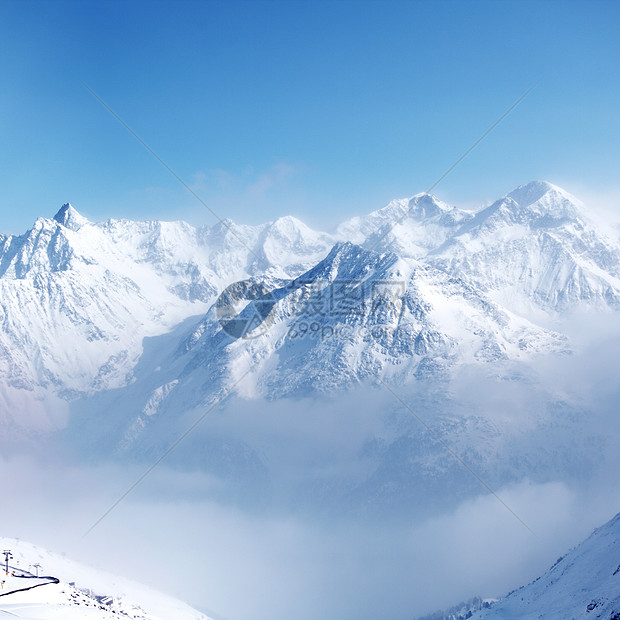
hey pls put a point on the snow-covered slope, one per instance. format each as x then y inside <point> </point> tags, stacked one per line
<point>359,314</point>
<point>409,227</point>
<point>82,593</point>
<point>584,584</point>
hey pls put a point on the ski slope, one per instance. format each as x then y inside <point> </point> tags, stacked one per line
<point>82,593</point>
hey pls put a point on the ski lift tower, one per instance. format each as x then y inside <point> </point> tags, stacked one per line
<point>7,555</point>
<point>36,567</point>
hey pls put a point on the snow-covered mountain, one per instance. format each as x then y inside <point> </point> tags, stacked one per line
<point>534,249</point>
<point>121,335</point>
<point>536,246</point>
<point>355,316</point>
<point>77,299</point>
<point>585,583</point>
<point>411,289</point>
<point>334,315</point>
<point>71,591</point>
<point>409,227</point>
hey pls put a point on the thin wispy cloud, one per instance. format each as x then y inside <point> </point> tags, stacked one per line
<point>602,203</point>
<point>273,178</point>
<point>274,189</point>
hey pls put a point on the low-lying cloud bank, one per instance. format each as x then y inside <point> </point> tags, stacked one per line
<point>308,528</point>
<point>233,564</point>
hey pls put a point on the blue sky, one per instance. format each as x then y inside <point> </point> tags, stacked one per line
<point>319,109</point>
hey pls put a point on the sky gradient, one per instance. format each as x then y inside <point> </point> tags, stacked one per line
<point>323,110</point>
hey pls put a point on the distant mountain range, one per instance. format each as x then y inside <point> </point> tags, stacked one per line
<point>78,299</point>
<point>115,334</point>
<point>118,336</point>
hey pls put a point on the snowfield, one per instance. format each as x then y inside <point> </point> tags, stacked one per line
<point>83,593</point>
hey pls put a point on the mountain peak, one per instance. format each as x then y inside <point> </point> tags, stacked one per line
<point>543,204</point>
<point>69,217</point>
<point>287,225</point>
<point>538,204</point>
<point>423,206</point>
<point>532,192</point>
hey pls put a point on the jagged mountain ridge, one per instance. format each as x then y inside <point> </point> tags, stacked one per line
<point>414,226</point>
<point>536,249</point>
<point>78,299</point>
<point>536,246</point>
<point>358,315</point>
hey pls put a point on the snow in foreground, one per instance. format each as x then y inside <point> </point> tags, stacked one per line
<point>585,583</point>
<point>82,593</point>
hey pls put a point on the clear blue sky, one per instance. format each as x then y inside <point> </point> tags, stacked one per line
<point>321,109</point>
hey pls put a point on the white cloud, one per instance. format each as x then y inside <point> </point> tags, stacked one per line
<point>273,178</point>
<point>603,203</point>
<point>286,560</point>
